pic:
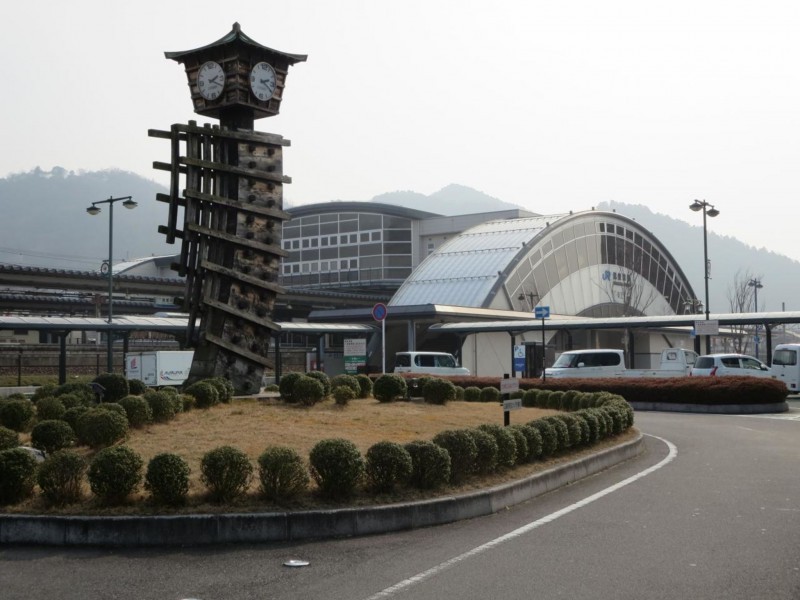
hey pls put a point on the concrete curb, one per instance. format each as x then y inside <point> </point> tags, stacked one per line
<point>303,525</point>
<point>717,409</point>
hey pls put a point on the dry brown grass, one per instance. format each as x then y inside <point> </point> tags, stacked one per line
<point>253,424</point>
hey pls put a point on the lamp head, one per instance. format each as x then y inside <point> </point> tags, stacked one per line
<point>696,205</point>
<point>130,203</point>
<point>712,212</point>
<point>93,210</point>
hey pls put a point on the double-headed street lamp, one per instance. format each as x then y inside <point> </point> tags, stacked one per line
<point>94,209</point>
<point>708,209</point>
<point>755,283</point>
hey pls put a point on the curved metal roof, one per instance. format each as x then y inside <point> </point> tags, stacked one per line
<point>464,270</point>
<point>343,206</point>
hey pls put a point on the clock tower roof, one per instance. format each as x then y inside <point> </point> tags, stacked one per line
<point>236,37</point>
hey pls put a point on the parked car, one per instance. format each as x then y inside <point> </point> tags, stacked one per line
<point>721,365</point>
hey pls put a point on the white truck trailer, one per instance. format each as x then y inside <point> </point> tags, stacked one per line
<point>159,368</point>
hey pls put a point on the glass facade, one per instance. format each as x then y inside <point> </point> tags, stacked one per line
<point>350,248</point>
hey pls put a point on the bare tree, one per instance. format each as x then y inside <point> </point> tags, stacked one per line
<point>741,299</point>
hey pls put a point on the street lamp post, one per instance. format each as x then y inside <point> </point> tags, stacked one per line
<point>708,209</point>
<point>94,209</point>
<point>755,283</point>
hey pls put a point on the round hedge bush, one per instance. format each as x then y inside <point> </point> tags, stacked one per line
<point>389,387</point>
<point>430,465</point>
<point>472,393</point>
<point>286,386</point>
<point>365,385</point>
<point>162,405</point>
<point>98,427</point>
<point>323,379</point>
<point>136,387</point>
<point>17,414</point>
<point>50,408</point>
<point>44,391</point>
<point>115,473</point>
<point>83,390</point>
<point>205,394</point>
<point>486,458</point>
<point>52,435</point>
<point>113,406</point>
<point>337,466</point>
<point>574,431</point>
<point>522,444</point>
<point>60,477</point>
<point>17,475</point>
<point>138,411</point>
<point>533,438</point>
<point>8,438</point>
<point>167,479</point>
<point>490,394</point>
<point>343,394</point>
<point>72,400</point>
<point>506,444</point>
<point>388,465</point>
<point>348,381</point>
<point>224,388</point>
<point>73,414</point>
<point>308,390</point>
<point>115,386</point>
<point>439,391</point>
<point>226,472</point>
<point>562,432</point>
<point>282,474</point>
<point>462,449</point>
<point>548,435</point>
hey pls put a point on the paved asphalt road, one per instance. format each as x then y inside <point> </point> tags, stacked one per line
<point>710,510</point>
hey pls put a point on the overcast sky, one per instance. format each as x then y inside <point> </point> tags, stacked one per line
<point>554,106</point>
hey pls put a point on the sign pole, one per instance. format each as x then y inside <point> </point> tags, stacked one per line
<point>379,312</point>
<point>542,312</point>
<point>544,375</point>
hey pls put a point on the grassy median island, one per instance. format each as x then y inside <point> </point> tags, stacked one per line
<point>251,425</point>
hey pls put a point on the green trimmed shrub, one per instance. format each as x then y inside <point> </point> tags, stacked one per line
<point>486,458</point>
<point>472,394</point>
<point>365,383</point>
<point>562,432</point>
<point>173,391</point>
<point>226,472</point>
<point>533,438</point>
<point>282,474</point>
<point>60,477</point>
<point>136,387</point>
<point>459,393</point>
<point>389,387</point>
<point>162,404</point>
<point>430,465</point>
<point>113,406</point>
<point>387,465</point>
<point>323,379</point>
<point>17,414</point>
<point>556,400</point>
<point>308,390</point>
<point>490,394</point>
<point>462,449</point>
<point>348,381</point>
<point>522,444</point>
<point>416,385</point>
<point>548,435</point>
<point>439,391</point>
<point>286,386</point>
<point>17,475</point>
<point>205,394</point>
<point>83,390</point>
<point>167,479</point>
<point>272,387</point>
<point>50,408</point>
<point>44,391</point>
<point>138,410</point>
<point>52,435</point>
<point>71,400</point>
<point>73,414</point>
<point>99,428</point>
<point>571,400</point>
<point>506,444</point>
<point>574,431</point>
<point>115,473</point>
<point>337,466</point>
<point>343,394</point>
<point>115,385</point>
<point>187,402</point>
<point>8,438</point>
<point>587,438</point>
<point>602,428</point>
<point>224,388</point>
<point>531,398</point>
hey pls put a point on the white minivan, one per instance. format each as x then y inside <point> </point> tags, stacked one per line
<point>428,363</point>
<point>786,366</point>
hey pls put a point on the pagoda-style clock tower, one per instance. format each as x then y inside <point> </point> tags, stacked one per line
<point>228,180</point>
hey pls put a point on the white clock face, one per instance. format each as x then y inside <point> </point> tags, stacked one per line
<point>210,80</point>
<point>263,81</point>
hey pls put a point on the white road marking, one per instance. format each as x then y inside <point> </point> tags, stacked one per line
<point>419,577</point>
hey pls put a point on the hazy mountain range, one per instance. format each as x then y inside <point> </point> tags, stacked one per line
<point>44,223</point>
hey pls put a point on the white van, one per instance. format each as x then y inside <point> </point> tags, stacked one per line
<point>428,363</point>
<point>786,366</point>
